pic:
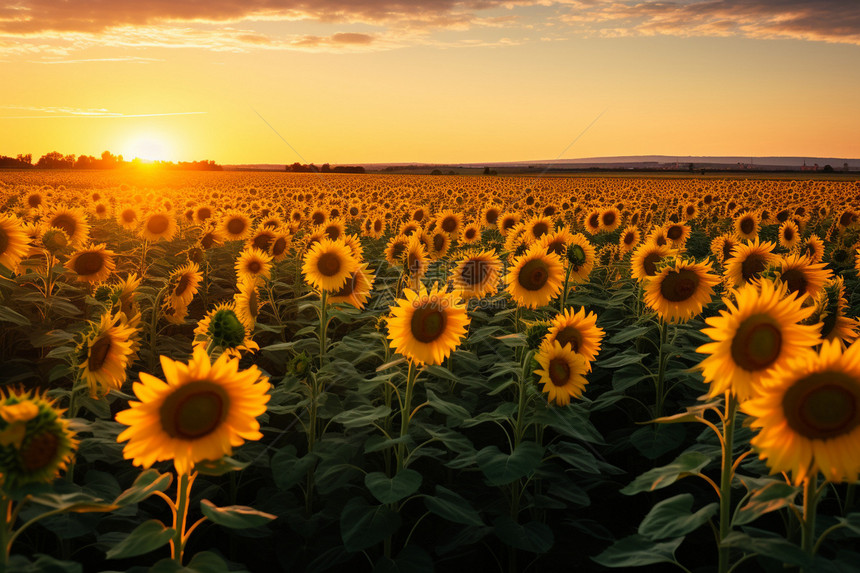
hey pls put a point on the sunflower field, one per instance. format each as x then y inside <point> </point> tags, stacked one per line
<point>266,371</point>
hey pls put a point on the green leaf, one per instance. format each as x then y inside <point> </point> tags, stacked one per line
<point>220,467</point>
<point>500,468</point>
<point>771,497</point>
<point>533,536</point>
<point>412,559</point>
<point>576,456</point>
<point>851,522</point>
<point>146,537</point>
<point>440,372</point>
<point>235,516</point>
<point>42,564</point>
<point>452,506</point>
<point>636,551</point>
<point>202,562</point>
<point>654,441</point>
<point>391,490</point>
<point>287,469</point>
<point>687,464</point>
<point>361,416</point>
<point>363,525</point>
<point>73,502</point>
<point>147,483</point>
<point>624,359</point>
<point>629,334</point>
<point>774,547</point>
<point>672,518</point>
<point>455,413</point>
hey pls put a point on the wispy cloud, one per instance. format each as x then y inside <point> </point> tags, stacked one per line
<point>129,60</point>
<point>47,112</point>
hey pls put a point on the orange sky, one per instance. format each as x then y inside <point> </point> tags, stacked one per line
<point>260,81</point>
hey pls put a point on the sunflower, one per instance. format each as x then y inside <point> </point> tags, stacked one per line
<point>506,222</point>
<point>557,242</point>
<point>247,302</point>
<point>203,213</point>
<point>356,289</point>
<point>677,234</point>
<point>334,229</point>
<point>537,228</point>
<point>222,328</point>
<point>748,261</point>
<point>183,283</point>
<point>490,215</point>
<point>128,218</point>
<point>105,352</point>
<point>592,222</point>
<point>210,238</point>
<point>477,274</point>
<point>253,264</point>
<point>801,276</point>
<point>281,245</point>
<point>200,412</point>
<point>377,228</point>
<point>746,226</point>
<point>415,260</point>
<point>577,330</point>
<point>235,225</point>
<point>789,235</point>
<point>536,277</point>
<point>680,289</point>
<point>643,263</point>
<point>610,219</point>
<point>561,373</point>
<point>262,238</point>
<point>158,225</point>
<point>440,242</point>
<point>813,248</point>
<point>354,244</point>
<point>36,442</point>
<point>809,415</point>
<point>757,333</point>
<point>14,243</point>
<point>395,249</point>
<point>318,216</point>
<point>830,310</point>
<point>426,327</point>
<point>328,264</point>
<point>722,247</point>
<point>72,221</point>
<point>92,264</point>
<point>471,233</point>
<point>450,222</point>
<point>580,258</point>
<point>629,238</point>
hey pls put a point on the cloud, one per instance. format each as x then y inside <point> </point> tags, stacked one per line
<point>836,21</point>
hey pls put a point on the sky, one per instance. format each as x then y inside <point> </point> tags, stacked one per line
<point>374,81</point>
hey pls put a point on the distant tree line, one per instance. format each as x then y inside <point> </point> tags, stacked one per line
<point>56,160</point>
<point>325,168</point>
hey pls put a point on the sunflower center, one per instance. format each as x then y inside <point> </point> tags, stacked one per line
<point>649,263</point>
<point>328,264</point>
<point>4,240</point>
<point>491,216</point>
<point>194,410</point>
<point>569,335</point>
<point>594,220</point>
<point>397,251</point>
<point>89,263</point>
<point>263,241</point>
<point>470,233</point>
<point>608,218</point>
<point>629,238</point>
<point>727,250</point>
<point>318,218</point>
<point>204,213</point>
<point>235,226</point>
<point>559,371</point>
<point>128,215</point>
<point>157,224</point>
<point>349,286</point>
<point>253,303</point>
<point>449,224</point>
<point>475,272</point>
<point>508,223</point>
<point>377,226</point>
<point>428,322</point>
<point>747,226</point>
<point>254,267</point>
<point>679,286</point>
<point>333,232</point>
<point>34,201</point>
<point>226,329</point>
<point>66,223</point>
<point>183,284</point>
<point>823,405</point>
<point>795,280</point>
<point>207,240</point>
<point>675,232</point>
<point>788,234</point>
<point>279,246</point>
<point>39,451</point>
<point>757,343</point>
<point>438,242</point>
<point>556,246</point>
<point>540,229</point>
<point>576,255</point>
<point>828,324</point>
<point>99,353</point>
<point>534,275</point>
<point>751,267</point>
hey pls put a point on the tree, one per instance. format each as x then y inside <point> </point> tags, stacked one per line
<point>28,159</point>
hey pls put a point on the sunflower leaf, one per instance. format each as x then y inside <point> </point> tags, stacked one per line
<point>637,550</point>
<point>146,537</point>
<point>391,490</point>
<point>774,547</point>
<point>534,536</point>
<point>452,506</point>
<point>220,467</point>
<point>363,525</point>
<point>672,517</point>
<point>145,485</point>
<point>688,463</point>
<point>771,497</point>
<point>500,468</point>
<point>235,516</point>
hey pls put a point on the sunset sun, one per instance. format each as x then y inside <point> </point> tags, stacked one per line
<point>149,147</point>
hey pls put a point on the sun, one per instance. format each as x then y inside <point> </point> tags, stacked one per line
<point>149,147</point>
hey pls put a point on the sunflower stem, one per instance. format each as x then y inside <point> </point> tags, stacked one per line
<point>810,502</point>
<point>143,254</point>
<point>5,531</point>
<point>562,299</point>
<point>726,479</point>
<point>153,328</point>
<point>323,324</point>
<point>662,359</point>
<point>177,544</point>
<point>405,411</point>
